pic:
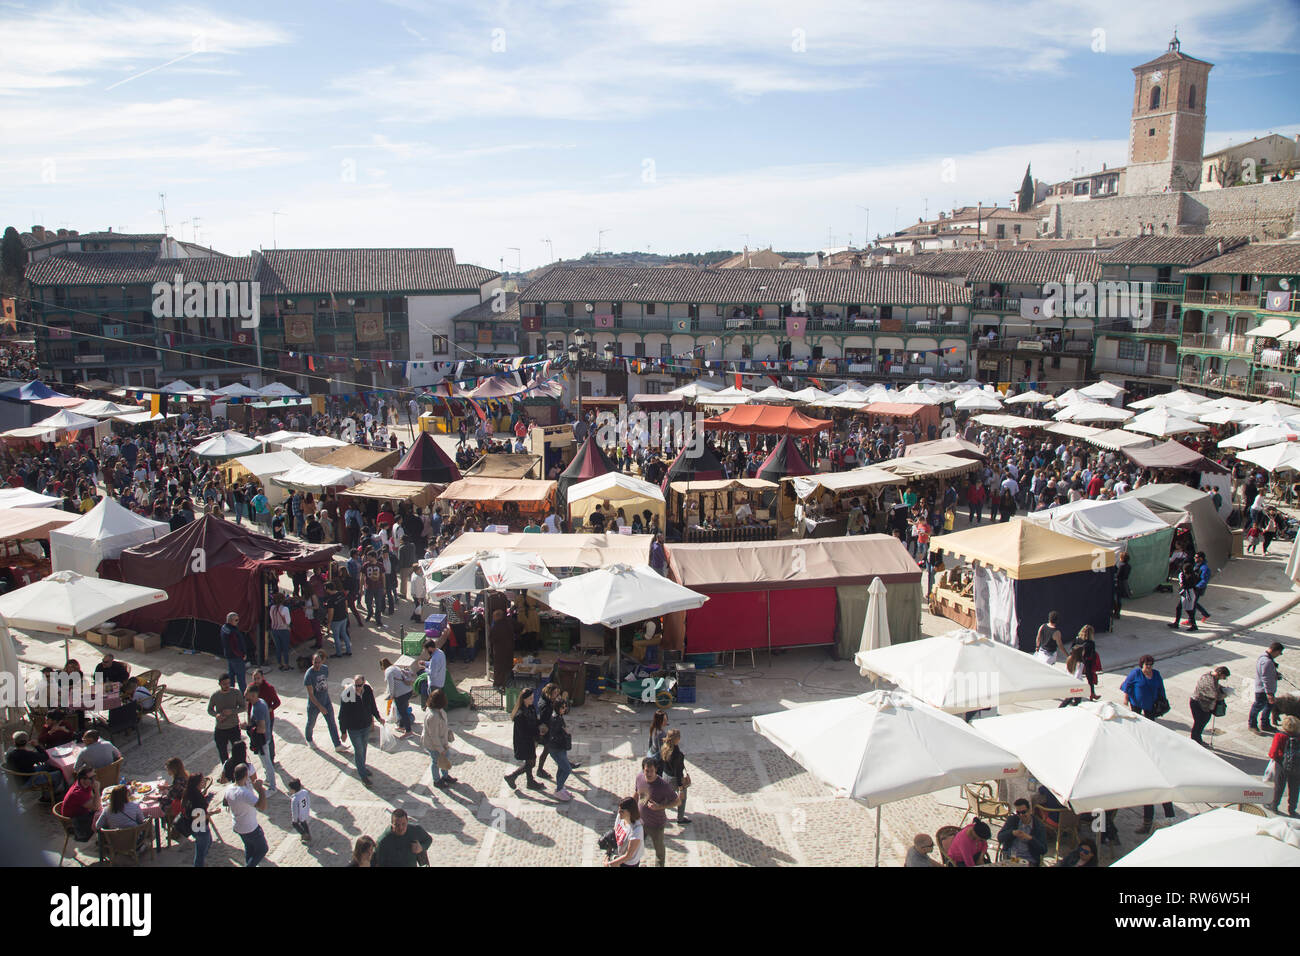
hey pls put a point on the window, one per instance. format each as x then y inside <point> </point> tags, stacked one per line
<point>568,310</point>
<point>638,350</point>
<point>649,308</point>
<point>440,345</point>
<point>1002,230</point>
<point>886,312</point>
<point>1155,97</point>
<point>817,353</point>
<point>617,309</point>
<point>747,351</point>
<point>1151,131</point>
<point>665,350</point>
<point>1132,351</point>
<point>1016,230</point>
<point>932,312</point>
<point>1191,98</point>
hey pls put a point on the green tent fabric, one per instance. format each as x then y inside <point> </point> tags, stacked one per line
<point>455,698</point>
<point>1149,556</point>
<point>902,607</point>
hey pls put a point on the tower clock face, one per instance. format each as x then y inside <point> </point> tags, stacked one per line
<point>1158,75</point>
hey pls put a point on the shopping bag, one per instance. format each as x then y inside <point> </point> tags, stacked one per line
<point>1270,772</point>
<point>387,739</point>
<point>444,761</point>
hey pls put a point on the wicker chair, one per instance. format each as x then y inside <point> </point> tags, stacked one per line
<point>1254,809</point>
<point>39,782</point>
<point>980,802</point>
<point>128,842</point>
<point>149,680</point>
<point>942,837</point>
<point>159,715</point>
<point>69,833</point>
<point>108,776</point>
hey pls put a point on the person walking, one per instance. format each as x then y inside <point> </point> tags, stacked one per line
<point>1202,569</point>
<point>258,727</point>
<point>300,809</point>
<point>629,835</point>
<point>560,742</point>
<point>1049,640</point>
<point>336,619</point>
<point>1206,697</point>
<point>244,802</point>
<point>655,797</point>
<point>225,705</point>
<point>372,571</point>
<point>1144,692</point>
<point>316,680</point>
<point>357,714</point>
<point>545,708</point>
<point>436,737</point>
<point>281,623</point>
<point>975,499</point>
<point>1123,569</point>
<point>658,731</point>
<point>1268,527</point>
<point>525,740</point>
<point>1187,579</point>
<point>1285,754</point>
<point>271,698</point>
<point>400,682</point>
<point>673,762</point>
<point>234,644</point>
<point>403,844</point>
<point>1261,712</point>
<point>195,814</point>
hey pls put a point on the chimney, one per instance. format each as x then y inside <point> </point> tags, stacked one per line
<point>62,233</point>
<point>73,232</point>
<point>39,233</point>
<point>1094,242</point>
<point>1218,247</point>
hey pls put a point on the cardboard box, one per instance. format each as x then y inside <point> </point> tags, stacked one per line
<point>147,643</point>
<point>120,639</point>
<point>95,637</point>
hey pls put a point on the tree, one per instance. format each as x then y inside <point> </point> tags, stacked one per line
<point>12,258</point>
<point>1025,198</point>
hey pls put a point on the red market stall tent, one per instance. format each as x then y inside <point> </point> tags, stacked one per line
<point>427,463</point>
<point>767,420</point>
<point>208,568</point>
<point>792,593</point>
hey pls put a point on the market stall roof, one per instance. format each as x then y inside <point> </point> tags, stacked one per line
<point>276,390</point>
<point>588,462</point>
<point>418,493</point>
<point>227,444</point>
<point>97,408</point>
<point>614,486</point>
<point>556,550</point>
<point>61,401</point>
<point>838,482</point>
<point>506,466</point>
<point>1008,421</point>
<point>1071,430</point>
<point>1024,550</point>
<point>1116,439</point>
<point>1101,522</point>
<point>312,441</point>
<point>237,390</point>
<point>60,423</point>
<point>646,398</point>
<point>927,466</point>
<point>783,460</point>
<point>895,409</point>
<point>18,524</point>
<point>378,460</point>
<point>696,389</point>
<point>102,532</point>
<point>270,463</point>
<point>978,401</point>
<point>1218,838</point>
<point>1171,454</point>
<point>956,447</point>
<point>1176,503</point>
<point>1165,422</point>
<point>767,420</point>
<point>722,484</point>
<point>426,461</point>
<point>34,390</point>
<point>766,565</point>
<point>1092,412</point>
<point>177,387</point>
<point>702,467</point>
<point>25,498</point>
<point>309,477</point>
<point>498,489</point>
<point>274,438</point>
<point>144,417</point>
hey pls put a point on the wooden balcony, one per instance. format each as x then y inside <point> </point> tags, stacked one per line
<point>1217,342</point>
<point>1211,297</point>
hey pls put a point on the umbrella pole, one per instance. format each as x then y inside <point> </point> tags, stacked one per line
<point>877,836</point>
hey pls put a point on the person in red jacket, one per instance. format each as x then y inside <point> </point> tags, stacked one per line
<point>975,498</point>
<point>1094,485</point>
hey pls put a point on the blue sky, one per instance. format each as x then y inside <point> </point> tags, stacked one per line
<point>677,125</point>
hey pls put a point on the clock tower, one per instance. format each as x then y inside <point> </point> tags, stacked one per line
<point>1167,125</point>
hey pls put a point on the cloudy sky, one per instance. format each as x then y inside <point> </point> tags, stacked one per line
<point>677,125</point>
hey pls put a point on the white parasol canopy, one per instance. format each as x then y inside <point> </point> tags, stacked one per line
<point>1178,398</point>
<point>978,401</point>
<point>238,390</point>
<point>25,498</point>
<point>884,746</point>
<point>11,673</point>
<point>1220,838</point>
<point>498,570</point>
<point>1165,423</point>
<point>1092,412</point>
<point>226,445</point>
<point>177,387</point>
<point>1102,391</point>
<point>1260,435</point>
<point>67,602</point>
<point>1282,456</point>
<point>1097,756</point>
<point>696,389</point>
<point>301,442</point>
<point>875,626</point>
<point>961,671</point>
<point>1029,398</point>
<point>277,390</point>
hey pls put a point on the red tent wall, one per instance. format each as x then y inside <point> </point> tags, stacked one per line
<point>738,620</point>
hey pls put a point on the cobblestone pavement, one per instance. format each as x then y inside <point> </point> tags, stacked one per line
<point>750,804</point>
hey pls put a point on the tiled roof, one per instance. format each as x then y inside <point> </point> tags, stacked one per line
<point>307,271</point>
<point>945,263</point>
<point>739,286</point>
<point>1260,258</point>
<point>136,268</point>
<point>1035,268</point>
<point>1170,250</point>
<point>485,312</point>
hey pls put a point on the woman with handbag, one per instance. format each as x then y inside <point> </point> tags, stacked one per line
<point>1144,692</point>
<point>673,761</point>
<point>1285,754</point>
<point>436,736</point>
<point>658,732</point>
<point>629,835</point>
<point>525,740</point>
<point>1207,699</point>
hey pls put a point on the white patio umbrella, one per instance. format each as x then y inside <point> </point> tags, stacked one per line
<point>98,408</point>
<point>1097,756</point>
<point>11,673</point>
<point>1178,398</point>
<point>961,671</point>
<point>67,603</point>
<point>1282,456</point>
<point>277,390</point>
<point>1260,435</point>
<point>884,746</point>
<point>496,570</point>
<point>1029,398</point>
<point>237,390</point>
<point>226,445</point>
<point>1164,423</point>
<point>177,387</point>
<point>1086,411</point>
<point>1102,391</point>
<point>875,626</point>
<point>621,594</point>
<point>1220,838</point>
<point>1223,410</point>
<point>978,402</point>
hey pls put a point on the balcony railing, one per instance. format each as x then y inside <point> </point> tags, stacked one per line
<point>1250,300</point>
<point>1037,344</point>
<point>1217,342</point>
<point>1273,388</point>
<point>1144,366</point>
<point>1155,327</point>
<point>998,303</point>
<point>1227,383</point>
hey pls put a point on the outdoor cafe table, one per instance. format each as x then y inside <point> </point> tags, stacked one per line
<point>64,757</point>
<point>151,804</point>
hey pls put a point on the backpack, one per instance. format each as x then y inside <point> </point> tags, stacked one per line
<point>1291,756</point>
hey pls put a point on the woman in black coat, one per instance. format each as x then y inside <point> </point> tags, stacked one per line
<point>525,718</point>
<point>1123,568</point>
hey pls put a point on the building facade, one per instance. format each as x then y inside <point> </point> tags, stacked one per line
<point>1167,123</point>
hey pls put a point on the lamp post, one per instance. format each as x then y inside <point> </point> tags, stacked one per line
<point>577,352</point>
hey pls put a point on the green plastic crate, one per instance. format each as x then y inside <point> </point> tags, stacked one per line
<point>413,643</point>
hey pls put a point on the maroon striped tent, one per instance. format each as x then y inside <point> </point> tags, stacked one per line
<point>784,460</point>
<point>427,462</point>
<point>703,467</point>
<point>589,462</point>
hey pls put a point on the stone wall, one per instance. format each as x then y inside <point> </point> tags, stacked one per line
<point>1263,211</point>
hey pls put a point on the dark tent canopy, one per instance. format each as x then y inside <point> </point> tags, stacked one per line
<point>35,390</point>
<point>209,568</point>
<point>703,467</point>
<point>589,462</point>
<point>427,462</point>
<point>785,460</point>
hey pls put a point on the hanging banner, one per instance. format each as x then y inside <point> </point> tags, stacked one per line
<point>299,329</point>
<point>530,323</point>
<point>604,320</point>
<point>794,326</point>
<point>370,327</point>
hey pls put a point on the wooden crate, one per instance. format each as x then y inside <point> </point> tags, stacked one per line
<point>120,639</point>
<point>147,643</point>
<point>95,637</point>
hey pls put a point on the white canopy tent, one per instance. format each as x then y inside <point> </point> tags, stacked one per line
<point>1220,838</point>
<point>102,533</point>
<point>238,390</point>
<point>98,408</point>
<point>1261,435</point>
<point>25,498</point>
<point>226,445</point>
<point>1092,412</point>
<point>303,442</point>
<point>1097,756</point>
<point>1028,398</point>
<point>277,390</point>
<point>62,422</point>
<point>266,466</point>
<point>884,746</point>
<point>68,603</point>
<point>961,671</point>
<point>618,490</point>
<point>178,387</point>
<point>978,401</point>
<point>696,389</point>
<point>1165,422</point>
<point>317,478</point>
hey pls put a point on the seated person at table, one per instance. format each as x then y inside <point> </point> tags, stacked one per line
<point>72,667</point>
<point>744,513</point>
<point>57,730</point>
<point>1085,854</point>
<point>597,520</point>
<point>114,671</point>
<point>138,695</point>
<point>122,814</point>
<point>1023,836</point>
<point>238,755</point>
<point>81,803</point>
<point>26,757</point>
<point>97,753</point>
<point>1051,806</point>
<point>969,846</point>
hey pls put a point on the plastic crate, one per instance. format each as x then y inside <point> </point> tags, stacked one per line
<point>413,643</point>
<point>685,695</point>
<point>703,660</point>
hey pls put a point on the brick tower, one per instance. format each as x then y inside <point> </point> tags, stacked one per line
<point>1167,127</point>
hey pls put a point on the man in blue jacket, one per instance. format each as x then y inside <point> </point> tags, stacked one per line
<point>1023,836</point>
<point>1202,569</point>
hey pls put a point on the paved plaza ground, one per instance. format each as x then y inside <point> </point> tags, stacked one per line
<point>750,804</point>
